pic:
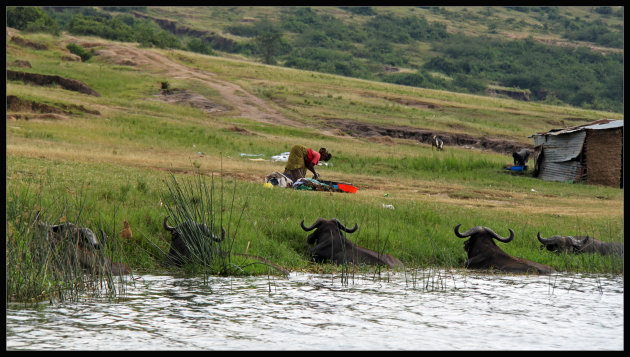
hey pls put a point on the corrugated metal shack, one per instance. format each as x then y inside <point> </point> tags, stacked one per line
<point>591,153</point>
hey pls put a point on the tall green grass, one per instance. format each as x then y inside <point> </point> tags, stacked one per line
<point>39,268</point>
<point>266,222</point>
<point>208,223</point>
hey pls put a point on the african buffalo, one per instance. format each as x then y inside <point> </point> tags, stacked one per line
<point>180,248</point>
<point>330,244</point>
<point>483,253</point>
<point>82,247</point>
<point>580,244</point>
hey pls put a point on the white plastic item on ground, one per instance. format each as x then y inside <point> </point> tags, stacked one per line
<point>388,206</point>
<point>282,157</point>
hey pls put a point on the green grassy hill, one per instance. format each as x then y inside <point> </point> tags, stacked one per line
<point>547,54</point>
<point>101,159</point>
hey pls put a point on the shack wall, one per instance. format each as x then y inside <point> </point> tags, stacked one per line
<point>603,157</point>
<point>560,156</point>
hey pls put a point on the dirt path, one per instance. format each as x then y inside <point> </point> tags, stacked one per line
<point>246,104</point>
<point>251,107</point>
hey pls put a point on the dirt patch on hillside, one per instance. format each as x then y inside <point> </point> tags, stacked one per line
<point>47,80</point>
<point>21,63</point>
<point>28,44</point>
<point>406,101</point>
<point>36,116</point>
<point>248,105</point>
<point>185,97</point>
<point>384,134</point>
<point>20,108</point>
<point>243,131</point>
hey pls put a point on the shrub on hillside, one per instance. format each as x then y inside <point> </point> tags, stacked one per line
<point>79,51</point>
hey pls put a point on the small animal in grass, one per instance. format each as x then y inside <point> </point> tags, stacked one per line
<point>126,231</point>
<point>437,143</point>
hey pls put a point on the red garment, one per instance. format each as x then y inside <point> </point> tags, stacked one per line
<point>313,156</point>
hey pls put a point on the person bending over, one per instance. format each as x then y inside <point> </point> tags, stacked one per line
<point>302,158</point>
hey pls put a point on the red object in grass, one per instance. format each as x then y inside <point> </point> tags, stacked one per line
<point>347,188</point>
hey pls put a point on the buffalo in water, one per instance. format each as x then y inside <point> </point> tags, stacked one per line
<point>181,242</point>
<point>330,244</point>
<point>183,238</point>
<point>580,244</point>
<point>483,253</point>
<point>82,247</point>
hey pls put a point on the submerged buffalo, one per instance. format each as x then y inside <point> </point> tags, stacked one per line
<point>580,244</point>
<point>483,253</point>
<point>330,244</point>
<point>186,235</point>
<point>82,247</point>
<point>181,239</point>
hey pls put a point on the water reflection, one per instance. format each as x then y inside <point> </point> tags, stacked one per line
<point>307,311</point>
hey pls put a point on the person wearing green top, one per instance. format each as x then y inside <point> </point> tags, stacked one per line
<point>302,158</point>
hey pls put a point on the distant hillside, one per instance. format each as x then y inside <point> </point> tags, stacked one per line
<point>554,55</point>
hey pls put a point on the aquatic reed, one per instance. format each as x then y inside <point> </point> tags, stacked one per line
<point>192,205</point>
<point>40,267</point>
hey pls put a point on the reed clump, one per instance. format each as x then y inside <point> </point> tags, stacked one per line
<point>42,268</point>
<point>197,213</point>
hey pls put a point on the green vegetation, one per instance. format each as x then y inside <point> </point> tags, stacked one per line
<point>79,51</point>
<point>506,46</point>
<point>37,268</point>
<point>114,163</point>
<point>31,19</point>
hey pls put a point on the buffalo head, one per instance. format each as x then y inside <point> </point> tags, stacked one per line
<point>483,253</point>
<point>331,244</point>
<point>579,244</point>
<point>182,238</point>
<point>331,227</point>
<point>84,247</point>
<point>81,235</point>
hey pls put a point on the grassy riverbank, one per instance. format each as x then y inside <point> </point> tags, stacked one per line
<point>113,154</point>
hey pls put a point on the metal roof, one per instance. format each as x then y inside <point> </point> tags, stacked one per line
<point>561,148</point>
<point>596,125</point>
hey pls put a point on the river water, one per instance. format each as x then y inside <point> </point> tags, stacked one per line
<point>427,310</point>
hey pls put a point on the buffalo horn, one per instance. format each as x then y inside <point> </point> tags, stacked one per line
<point>580,243</point>
<point>544,240</point>
<point>222,236</point>
<point>344,228</point>
<point>103,236</point>
<point>468,233</point>
<point>166,226</point>
<point>315,225</point>
<point>498,237</point>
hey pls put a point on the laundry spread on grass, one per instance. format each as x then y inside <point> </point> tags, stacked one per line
<point>310,184</point>
<point>277,179</point>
